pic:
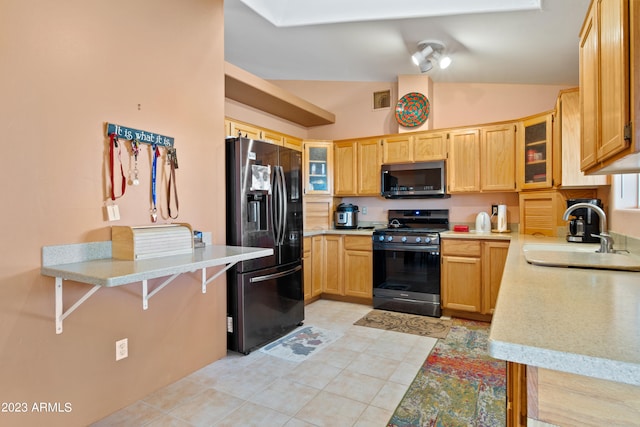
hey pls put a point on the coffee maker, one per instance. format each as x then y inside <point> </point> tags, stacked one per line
<point>585,222</point>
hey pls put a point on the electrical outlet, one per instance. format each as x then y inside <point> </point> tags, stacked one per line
<point>122,349</point>
<point>364,210</point>
<point>494,210</point>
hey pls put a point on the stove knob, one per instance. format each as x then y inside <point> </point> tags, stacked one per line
<point>418,239</point>
<point>390,238</point>
<point>404,238</point>
<point>427,239</point>
<point>381,238</point>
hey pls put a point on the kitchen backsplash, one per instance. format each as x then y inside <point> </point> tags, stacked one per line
<point>622,242</point>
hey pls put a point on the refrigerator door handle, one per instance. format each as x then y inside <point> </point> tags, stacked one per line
<point>278,178</point>
<point>285,199</point>
<point>275,206</point>
<point>279,205</point>
<point>275,275</point>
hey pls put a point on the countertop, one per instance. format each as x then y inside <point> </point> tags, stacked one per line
<point>581,321</point>
<point>71,262</point>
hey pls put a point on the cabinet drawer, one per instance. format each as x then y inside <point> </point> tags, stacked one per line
<point>306,245</point>
<point>461,247</point>
<point>358,243</point>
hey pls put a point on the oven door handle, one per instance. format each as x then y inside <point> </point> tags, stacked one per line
<point>405,248</point>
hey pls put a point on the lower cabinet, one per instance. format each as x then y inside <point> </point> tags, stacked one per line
<point>471,274</point>
<point>461,275</point>
<point>341,267</point>
<point>333,265</point>
<point>358,266</point>
<point>554,398</point>
<point>516,395</point>
<point>312,283</point>
<point>494,257</point>
<point>314,268</point>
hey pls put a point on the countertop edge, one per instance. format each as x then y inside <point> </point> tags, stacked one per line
<point>517,335</point>
<point>594,367</point>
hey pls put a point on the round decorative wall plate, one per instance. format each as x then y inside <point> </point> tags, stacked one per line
<point>412,109</point>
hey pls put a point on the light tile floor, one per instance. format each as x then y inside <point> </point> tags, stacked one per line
<point>357,380</point>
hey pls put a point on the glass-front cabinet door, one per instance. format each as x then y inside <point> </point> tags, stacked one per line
<point>318,167</point>
<point>535,152</point>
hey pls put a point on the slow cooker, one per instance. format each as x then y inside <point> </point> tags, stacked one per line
<point>346,216</point>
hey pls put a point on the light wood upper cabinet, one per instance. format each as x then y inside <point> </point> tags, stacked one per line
<point>498,157</point>
<point>397,149</point>
<point>589,75</point>
<point>293,142</point>
<point>566,144</point>
<point>463,166</point>
<point>318,167</point>
<point>419,147</point>
<point>369,160</point>
<point>535,152</point>
<point>613,52</point>
<point>607,96</point>
<point>273,137</point>
<point>236,128</point>
<point>430,146</point>
<point>244,130</point>
<point>357,167</point>
<point>345,172</point>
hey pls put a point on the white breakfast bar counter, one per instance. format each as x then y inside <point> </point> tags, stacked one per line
<point>575,320</point>
<point>91,263</point>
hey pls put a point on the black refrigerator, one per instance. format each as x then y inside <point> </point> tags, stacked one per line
<point>265,296</point>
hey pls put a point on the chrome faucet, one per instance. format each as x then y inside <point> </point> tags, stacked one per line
<point>606,241</point>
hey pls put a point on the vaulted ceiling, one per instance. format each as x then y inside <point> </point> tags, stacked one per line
<point>536,42</point>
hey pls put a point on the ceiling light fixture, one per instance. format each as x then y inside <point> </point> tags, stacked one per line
<point>429,51</point>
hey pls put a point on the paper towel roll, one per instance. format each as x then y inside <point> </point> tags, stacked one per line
<point>502,217</point>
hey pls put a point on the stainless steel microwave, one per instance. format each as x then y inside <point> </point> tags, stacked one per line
<point>414,180</point>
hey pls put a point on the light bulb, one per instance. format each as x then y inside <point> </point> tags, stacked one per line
<point>445,61</point>
<point>416,58</point>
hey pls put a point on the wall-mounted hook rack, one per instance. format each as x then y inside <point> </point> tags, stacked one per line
<point>141,136</point>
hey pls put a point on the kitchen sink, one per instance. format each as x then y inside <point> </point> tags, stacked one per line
<point>579,255</point>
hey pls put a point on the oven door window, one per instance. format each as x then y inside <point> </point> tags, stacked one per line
<point>404,270</point>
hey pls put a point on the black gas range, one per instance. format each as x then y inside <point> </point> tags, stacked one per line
<point>413,226</point>
<point>406,261</point>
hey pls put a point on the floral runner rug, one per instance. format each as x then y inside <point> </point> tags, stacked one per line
<point>301,343</point>
<point>458,385</point>
<point>407,323</point>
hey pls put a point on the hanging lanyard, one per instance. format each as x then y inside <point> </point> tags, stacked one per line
<point>113,144</point>
<point>172,158</point>
<point>154,211</point>
<point>135,149</point>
